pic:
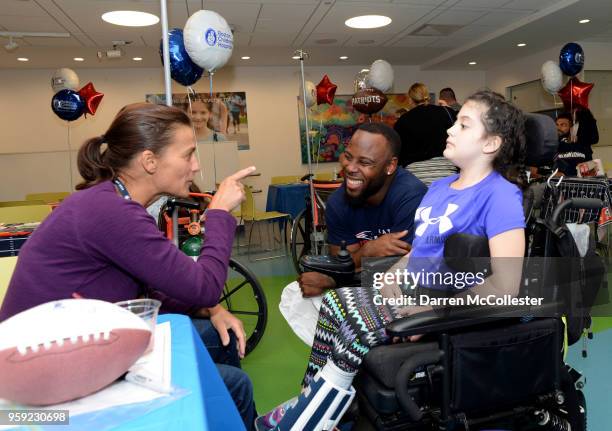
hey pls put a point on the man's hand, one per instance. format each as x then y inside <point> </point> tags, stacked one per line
<point>223,320</point>
<point>390,244</point>
<point>314,284</point>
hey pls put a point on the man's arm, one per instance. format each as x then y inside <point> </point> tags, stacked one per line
<point>389,244</point>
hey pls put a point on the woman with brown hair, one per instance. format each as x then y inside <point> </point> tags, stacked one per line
<point>100,243</point>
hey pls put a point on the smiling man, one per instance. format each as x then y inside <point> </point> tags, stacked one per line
<point>373,212</point>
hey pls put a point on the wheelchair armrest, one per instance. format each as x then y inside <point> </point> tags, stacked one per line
<point>459,318</point>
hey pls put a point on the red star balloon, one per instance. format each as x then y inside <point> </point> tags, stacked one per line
<point>91,97</point>
<point>575,94</point>
<point>326,91</point>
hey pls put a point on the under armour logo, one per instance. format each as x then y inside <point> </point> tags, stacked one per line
<point>444,222</point>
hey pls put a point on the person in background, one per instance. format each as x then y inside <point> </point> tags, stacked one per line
<point>447,98</point>
<point>570,152</point>
<point>423,134</point>
<point>101,243</point>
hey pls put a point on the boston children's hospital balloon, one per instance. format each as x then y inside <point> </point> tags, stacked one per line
<point>208,40</point>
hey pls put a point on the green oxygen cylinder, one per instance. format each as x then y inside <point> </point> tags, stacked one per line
<point>192,246</point>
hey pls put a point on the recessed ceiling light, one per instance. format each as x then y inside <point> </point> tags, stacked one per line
<point>245,57</point>
<point>343,57</point>
<point>584,21</point>
<point>130,18</point>
<point>472,63</point>
<point>137,58</point>
<point>368,21</point>
<point>296,57</point>
<point>78,59</point>
<point>22,59</point>
<point>521,44</point>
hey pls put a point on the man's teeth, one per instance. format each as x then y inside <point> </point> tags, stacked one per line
<point>354,182</point>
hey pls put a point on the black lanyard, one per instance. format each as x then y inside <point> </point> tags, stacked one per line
<point>122,189</point>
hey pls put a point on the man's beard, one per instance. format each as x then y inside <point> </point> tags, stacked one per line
<point>373,187</point>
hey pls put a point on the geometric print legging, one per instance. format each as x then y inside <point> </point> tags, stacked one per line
<point>349,325</point>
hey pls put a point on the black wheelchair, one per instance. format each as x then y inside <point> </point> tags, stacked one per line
<point>243,294</point>
<point>501,370</point>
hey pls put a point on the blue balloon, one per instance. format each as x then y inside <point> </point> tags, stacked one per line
<point>571,59</point>
<point>182,69</point>
<point>68,105</point>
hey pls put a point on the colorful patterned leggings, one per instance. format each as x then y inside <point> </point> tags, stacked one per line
<point>349,325</point>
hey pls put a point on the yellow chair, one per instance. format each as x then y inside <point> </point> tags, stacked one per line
<point>48,198</point>
<point>285,179</point>
<point>20,203</point>
<point>324,176</point>
<point>24,214</point>
<point>7,266</point>
<point>250,214</point>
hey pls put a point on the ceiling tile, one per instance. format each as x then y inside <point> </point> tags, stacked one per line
<point>529,4</point>
<point>488,4</point>
<point>473,31</point>
<point>21,8</point>
<point>501,18</point>
<point>457,17</point>
<point>313,39</point>
<point>31,23</point>
<point>53,41</point>
<point>415,41</point>
<point>273,39</point>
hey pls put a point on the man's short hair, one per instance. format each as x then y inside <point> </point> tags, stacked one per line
<point>391,136</point>
<point>565,116</point>
<point>447,94</point>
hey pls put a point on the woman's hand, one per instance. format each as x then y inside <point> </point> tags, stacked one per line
<point>231,191</point>
<point>222,320</point>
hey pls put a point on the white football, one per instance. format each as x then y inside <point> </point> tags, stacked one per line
<point>66,349</point>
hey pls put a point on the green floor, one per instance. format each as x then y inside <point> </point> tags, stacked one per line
<point>277,364</point>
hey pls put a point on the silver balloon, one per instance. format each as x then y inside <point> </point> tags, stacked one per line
<point>360,81</point>
<point>64,79</point>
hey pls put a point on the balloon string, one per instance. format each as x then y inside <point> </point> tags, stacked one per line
<point>190,92</point>
<point>70,159</point>
<point>215,139</point>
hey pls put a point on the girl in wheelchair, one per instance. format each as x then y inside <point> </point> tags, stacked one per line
<point>487,136</point>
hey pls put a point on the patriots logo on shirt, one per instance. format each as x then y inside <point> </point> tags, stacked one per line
<point>423,218</point>
<point>368,235</point>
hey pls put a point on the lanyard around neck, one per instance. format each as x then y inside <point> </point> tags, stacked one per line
<point>123,191</point>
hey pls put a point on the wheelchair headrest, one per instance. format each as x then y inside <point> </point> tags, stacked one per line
<point>541,139</point>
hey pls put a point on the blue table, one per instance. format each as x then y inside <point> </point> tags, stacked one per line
<point>287,198</point>
<point>207,406</point>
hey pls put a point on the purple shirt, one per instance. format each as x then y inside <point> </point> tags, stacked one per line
<point>101,246</point>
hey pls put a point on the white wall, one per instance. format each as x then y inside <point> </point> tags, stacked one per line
<point>597,57</point>
<point>29,125</point>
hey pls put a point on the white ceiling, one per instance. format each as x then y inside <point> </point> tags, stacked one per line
<point>268,31</point>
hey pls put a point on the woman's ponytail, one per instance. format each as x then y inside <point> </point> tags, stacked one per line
<point>90,162</point>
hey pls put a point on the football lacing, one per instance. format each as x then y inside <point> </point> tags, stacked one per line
<point>46,345</point>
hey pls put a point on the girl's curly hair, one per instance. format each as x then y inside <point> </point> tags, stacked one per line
<point>505,120</point>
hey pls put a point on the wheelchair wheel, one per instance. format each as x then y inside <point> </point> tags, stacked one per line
<point>244,297</point>
<point>300,239</point>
